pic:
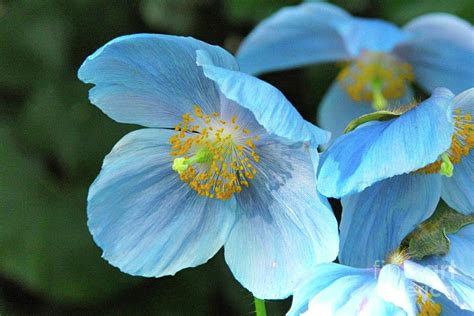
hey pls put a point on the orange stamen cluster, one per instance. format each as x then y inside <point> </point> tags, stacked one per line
<point>461,144</point>
<point>426,305</point>
<point>229,150</point>
<point>387,71</point>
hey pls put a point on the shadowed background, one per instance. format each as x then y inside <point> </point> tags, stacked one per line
<point>52,142</point>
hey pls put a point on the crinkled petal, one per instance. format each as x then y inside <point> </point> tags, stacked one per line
<point>394,287</point>
<point>375,221</point>
<point>373,35</point>
<point>337,109</point>
<point>448,308</point>
<point>453,65</point>
<point>295,36</point>
<point>146,220</point>
<point>152,79</point>
<point>269,106</point>
<point>285,229</point>
<point>458,287</point>
<point>381,150</point>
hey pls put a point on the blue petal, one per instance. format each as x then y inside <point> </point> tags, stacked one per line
<point>337,109</point>
<point>284,229</point>
<point>146,220</point>
<point>457,190</point>
<point>448,308</point>
<point>373,35</point>
<point>460,254</point>
<point>394,287</point>
<point>452,66</point>
<point>381,150</point>
<point>333,289</point>
<point>457,287</point>
<point>152,79</point>
<point>375,221</point>
<point>295,36</point>
<point>269,106</point>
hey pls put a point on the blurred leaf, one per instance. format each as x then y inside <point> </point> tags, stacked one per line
<point>254,11</point>
<point>176,16</point>
<point>44,240</point>
<point>402,11</point>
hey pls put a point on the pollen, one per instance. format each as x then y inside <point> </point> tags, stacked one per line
<point>375,76</point>
<point>398,257</point>
<point>425,303</point>
<point>214,156</point>
<point>461,144</point>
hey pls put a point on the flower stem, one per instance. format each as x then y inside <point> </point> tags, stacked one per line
<point>260,309</point>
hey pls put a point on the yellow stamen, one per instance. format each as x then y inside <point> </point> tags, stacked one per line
<point>376,77</point>
<point>426,305</point>
<point>214,157</point>
<point>461,144</point>
<point>398,257</point>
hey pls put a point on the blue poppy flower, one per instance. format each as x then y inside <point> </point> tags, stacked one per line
<point>400,286</point>
<point>381,59</point>
<point>391,174</point>
<point>225,160</point>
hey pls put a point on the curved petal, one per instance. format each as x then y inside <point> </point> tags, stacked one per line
<point>373,35</point>
<point>152,79</point>
<point>460,255</point>
<point>448,308</point>
<point>269,106</point>
<point>458,287</point>
<point>394,287</point>
<point>295,36</point>
<point>457,190</point>
<point>337,109</point>
<point>146,220</point>
<point>381,150</point>
<point>375,221</point>
<point>285,229</point>
<point>452,66</point>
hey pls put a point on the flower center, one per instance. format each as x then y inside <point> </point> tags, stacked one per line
<point>398,257</point>
<point>461,145</point>
<point>376,77</point>
<point>214,157</point>
<point>426,305</point>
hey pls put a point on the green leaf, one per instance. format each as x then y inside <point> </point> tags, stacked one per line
<point>431,236</point>
<point>44,241</point>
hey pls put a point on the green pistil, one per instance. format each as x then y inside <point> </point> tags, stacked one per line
<point>378,100</point>
<point>202,155</point>
<point>447,167</point>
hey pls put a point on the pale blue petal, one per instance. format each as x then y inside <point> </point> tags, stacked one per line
<point>269,106</point>
<point>394,287</point>
<point>333,289</point>
<point>375,221</point>
<point>337,109</point>
<point>448,308</point>
<point>295,36</point>
<point>458,190</point>
<point>146,220</point>
<point>460,254</point>
<point>152,79</point>
<point>458,287</point>
<point>381,150</point>
<point>284,229</point>
<point>453,65</point>
<point>373,35</point>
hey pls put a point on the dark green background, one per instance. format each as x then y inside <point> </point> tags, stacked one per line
<point>53,142</point>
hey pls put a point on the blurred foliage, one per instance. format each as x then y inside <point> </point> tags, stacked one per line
<point>53,142</point>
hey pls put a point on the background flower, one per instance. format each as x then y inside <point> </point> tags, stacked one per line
<point>382,59</point>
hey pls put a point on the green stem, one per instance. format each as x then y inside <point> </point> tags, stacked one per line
<point>260,309</point>
<point>378,100</point>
